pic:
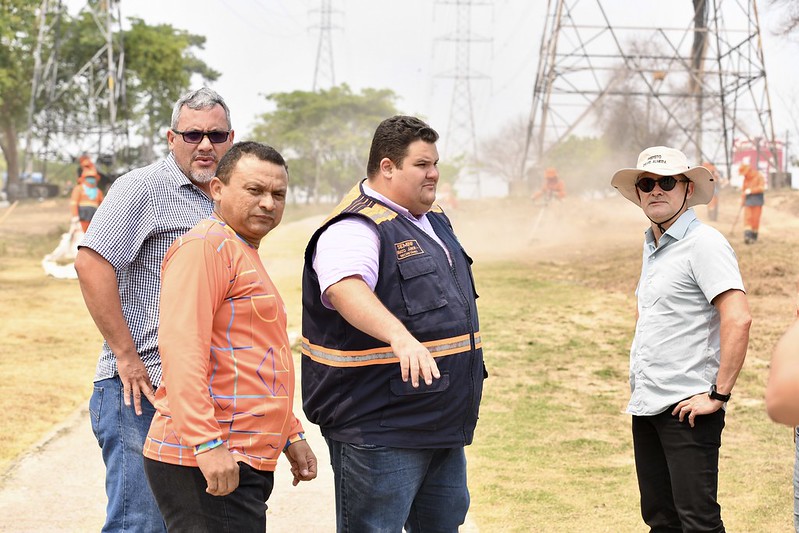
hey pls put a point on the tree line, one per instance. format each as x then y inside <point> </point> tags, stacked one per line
<point>324,134</point>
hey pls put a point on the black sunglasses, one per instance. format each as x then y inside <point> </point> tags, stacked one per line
<point>666,183</point>
<point>196,137</point>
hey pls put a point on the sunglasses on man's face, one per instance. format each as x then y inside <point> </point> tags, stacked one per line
<point>196,137</point>
<point>666,183</point>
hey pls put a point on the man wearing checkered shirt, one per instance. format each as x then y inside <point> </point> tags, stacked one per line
<point>118,267</point>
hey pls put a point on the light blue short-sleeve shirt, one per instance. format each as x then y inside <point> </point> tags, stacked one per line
<point>676,350</point>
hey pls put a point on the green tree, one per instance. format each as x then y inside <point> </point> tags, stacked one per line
<point>160,66</point>
<point>17,47</point>
<point>71,56</point>
<point>325,135</point>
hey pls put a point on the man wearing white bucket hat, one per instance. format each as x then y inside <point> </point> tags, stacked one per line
<point>691,335</point>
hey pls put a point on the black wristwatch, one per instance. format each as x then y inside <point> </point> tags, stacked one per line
<point>715,395</point>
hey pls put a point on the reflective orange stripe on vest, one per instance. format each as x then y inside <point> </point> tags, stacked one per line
<point>383,356</point>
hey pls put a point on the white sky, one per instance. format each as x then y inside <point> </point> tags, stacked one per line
<point>266,46</point>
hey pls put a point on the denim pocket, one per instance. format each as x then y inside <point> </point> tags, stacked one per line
<point>95,404</point>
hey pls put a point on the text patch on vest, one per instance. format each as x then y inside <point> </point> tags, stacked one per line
<point>407,249</point>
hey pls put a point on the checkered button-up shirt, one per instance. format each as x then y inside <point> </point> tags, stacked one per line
<point>145,210</point>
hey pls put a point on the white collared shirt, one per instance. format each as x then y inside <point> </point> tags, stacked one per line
<point>676,350</point>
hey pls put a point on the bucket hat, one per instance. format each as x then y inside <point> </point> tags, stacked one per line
<point>665,161</point>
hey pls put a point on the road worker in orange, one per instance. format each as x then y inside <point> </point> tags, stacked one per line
<point>86,195</point>
<point>752,200</point>
<point>553,186</point>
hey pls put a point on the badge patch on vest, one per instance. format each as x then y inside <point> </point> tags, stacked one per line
<point>407,249</point>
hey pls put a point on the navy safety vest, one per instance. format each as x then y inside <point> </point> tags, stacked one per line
<point>351,382</point>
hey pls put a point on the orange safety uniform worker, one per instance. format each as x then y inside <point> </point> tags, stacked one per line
<point>553,186</point>
<point>752,199</point>
<point>86,167</point>
<point>85,199</point>
<point>713,204</point>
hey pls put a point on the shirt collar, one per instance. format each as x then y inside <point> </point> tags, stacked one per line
<point>393,205</point>
<point>676,231</point>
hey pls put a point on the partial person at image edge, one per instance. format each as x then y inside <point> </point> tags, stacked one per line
<point>782,394</point>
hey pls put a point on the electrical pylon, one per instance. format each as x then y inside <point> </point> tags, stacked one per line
<point>461,135</point>
<point>324,75</point>
<point>699,64</point>
<point>100,82</point>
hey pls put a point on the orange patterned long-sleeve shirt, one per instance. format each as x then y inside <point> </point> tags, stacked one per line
<point>228,371</point>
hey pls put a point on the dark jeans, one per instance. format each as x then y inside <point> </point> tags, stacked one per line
<point>678,468</point>
<point>180,493</point>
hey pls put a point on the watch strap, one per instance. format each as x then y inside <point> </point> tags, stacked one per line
<point>716,395</point>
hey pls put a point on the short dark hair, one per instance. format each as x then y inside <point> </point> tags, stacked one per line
<point>392,138</point>
<point>263,152</point>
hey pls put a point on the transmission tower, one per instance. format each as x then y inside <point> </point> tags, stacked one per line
<point>461,136</point>
<point>703,75</point>
<point>324,74</point>
<point>99,83</point>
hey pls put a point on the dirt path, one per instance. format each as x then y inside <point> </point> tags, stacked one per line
<point>58,486</point>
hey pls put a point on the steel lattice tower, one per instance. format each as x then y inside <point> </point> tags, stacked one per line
<point>100,81</point>
<point>324,73</point>
<point>461,134</point>
<point>704,75</point>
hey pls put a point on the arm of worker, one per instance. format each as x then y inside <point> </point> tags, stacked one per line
<point>74,201</point>
<point>302,461</point>
<point>98,283</point>
<point>220,470</point>
<point>349,251</point>
<point>185,326</point>
<point>735,320</point>
<point>359,306</point>
<point>782,389</point>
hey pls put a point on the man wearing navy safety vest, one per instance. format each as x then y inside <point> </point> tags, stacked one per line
<point>392,366</point>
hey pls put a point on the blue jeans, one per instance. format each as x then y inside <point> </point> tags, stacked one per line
<point>120,434</point>
<point>382,489</point>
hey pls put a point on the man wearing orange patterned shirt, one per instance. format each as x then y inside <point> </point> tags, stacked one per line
<point>224,410</point>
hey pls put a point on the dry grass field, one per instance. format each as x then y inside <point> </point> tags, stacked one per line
<point>553,449</point>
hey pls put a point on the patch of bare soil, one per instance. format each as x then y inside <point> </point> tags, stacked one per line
<point>600,240</point>
<point>597,244</point>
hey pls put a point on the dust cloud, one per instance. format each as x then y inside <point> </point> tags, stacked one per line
<point>506,229</point>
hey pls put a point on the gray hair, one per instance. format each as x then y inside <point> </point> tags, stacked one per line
<point>203,98</point>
